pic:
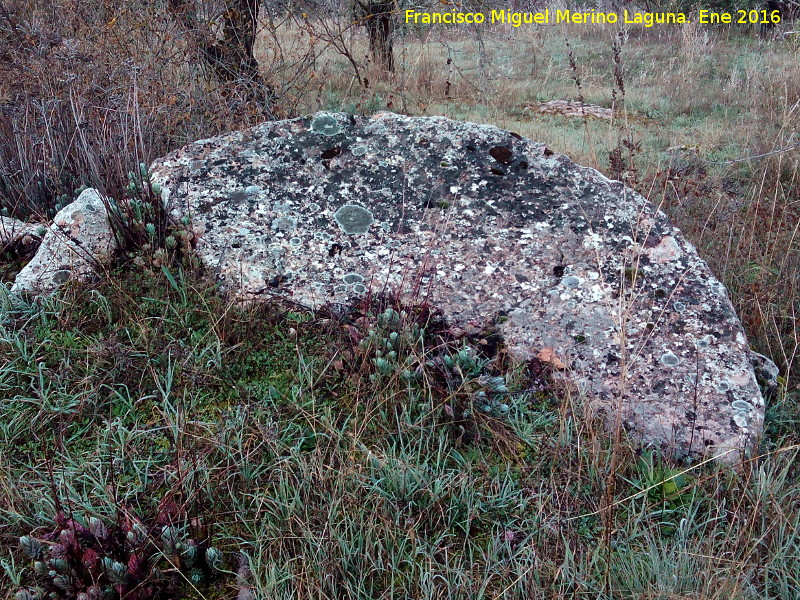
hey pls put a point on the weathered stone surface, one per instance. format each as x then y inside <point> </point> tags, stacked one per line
<point>491,228</point>
<point>74,245</point>
<point>16,233</point>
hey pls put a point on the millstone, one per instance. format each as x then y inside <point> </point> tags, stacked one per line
<point>494,230</point>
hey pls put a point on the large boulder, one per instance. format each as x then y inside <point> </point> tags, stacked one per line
<point>493,229</point>
<point>75,246</point>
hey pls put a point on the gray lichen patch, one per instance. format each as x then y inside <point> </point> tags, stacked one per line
<point>63,275</point>
<point>669,359</point>
<point>354,219</point>
<point>326,124</point>
<point>284,223</point>
<point>490,228</point>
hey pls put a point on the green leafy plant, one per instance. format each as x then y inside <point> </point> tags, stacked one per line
<point>668,489</point>
<point>98,561</point>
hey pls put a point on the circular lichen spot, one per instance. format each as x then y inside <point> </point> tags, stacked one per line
<point>669,359</point>
<point>679,306</point>
<point>61,276</point>
<point>295,241</point>
<point>326,125</point>
<point>360,150</point>
<point>742,406</point>
<point>385,225</point>
<point>284,223</point>
<point>352,278</point>
<point>353,218</point>
<point>571,282</point>
<point>359,288</point>
<point>723,386</point>
<point>313,207</point>
<point>376,128</point>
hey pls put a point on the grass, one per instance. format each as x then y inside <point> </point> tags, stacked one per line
<point>284,438</point>
<point>369,454</point>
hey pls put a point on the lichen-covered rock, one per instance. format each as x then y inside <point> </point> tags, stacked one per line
<point>493,229</point>
<point>77,242</point>
<point>18,235</point>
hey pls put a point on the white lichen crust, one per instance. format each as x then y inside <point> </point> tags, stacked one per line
<point>74,246</point>
<point>493,229</point>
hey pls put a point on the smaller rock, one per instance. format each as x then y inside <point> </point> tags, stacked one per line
<point>77,243</point>
<point>568,108</point>
<point>22,237</point>
<point>766,371</point>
